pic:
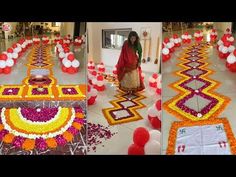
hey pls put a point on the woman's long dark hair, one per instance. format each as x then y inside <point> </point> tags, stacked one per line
<point>133,33</point>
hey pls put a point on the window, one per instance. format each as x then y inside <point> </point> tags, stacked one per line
<point>55,24</point>
<point>114,38</point>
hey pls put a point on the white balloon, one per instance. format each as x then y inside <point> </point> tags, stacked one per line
<point>169,45</point>
<point>152,112</point>
<point>152,148</point>
<point>180,40</point>
<point>75,63</point>
<point>94,92</point>
<point>94,81</point>
<point>224,49</point>
<point>183,36</point>
<point>100,83</point>
<point>231,59</point>
<point>151,79</point>
<point>155,135</point>
<point>220,47</point>
<point>231,39</point>
<point>14,55</point>
<point>64,61</point>
<point>61,54</point>
<point>9,55</point>
<point>220,42</point>
<point>67,63</point>
<point>176,41</point>
<point>231,48</point>
<point>189,36</point>
<point>165,51</point>
<point>172,39</point>
<point>9,62</point>
<point>2,64</point>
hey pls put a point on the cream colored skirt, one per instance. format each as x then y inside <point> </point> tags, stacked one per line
<point>130,81</point>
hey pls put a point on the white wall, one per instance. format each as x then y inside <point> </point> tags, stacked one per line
<point>67,28</point>
<point>111,56</point>
<point>222,26</point>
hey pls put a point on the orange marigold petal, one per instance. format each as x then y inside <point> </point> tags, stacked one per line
<point>1,127</point>
<point>77,125</point>
<point>51,142</point>
<point>8,138</point>
<point>80,115</point>
<point>28,144</point>
<point>68,136</point>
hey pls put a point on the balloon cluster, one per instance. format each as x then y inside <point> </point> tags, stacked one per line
<point>198,35</point>
<point>145,142</point>
<point>158,89</point>
<point>91,65</point>
<point>167,48</point>
<point>225,45</point>
<point>231,61</point>
<point>92,74</point>
<point>213,35</point>
<point>114,71</point>
<point>176,39</point>
<point>92,95</point>
<point>101,67</point>
<point>153,79</point>
<point>67,39</point>
<point>80,40</point>
<point>69,63</point>
<point>45,39</point>
<point>154,115</point>
<point>36,40</point>
<point>57,38</point>
<point>98,83</point>
<point>9,58</point>
<point>186,38</point>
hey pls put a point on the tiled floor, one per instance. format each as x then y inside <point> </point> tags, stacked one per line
<point>120,142</point>
<point>227,88</point>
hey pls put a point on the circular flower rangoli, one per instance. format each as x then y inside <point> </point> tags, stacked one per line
<point>39,128</point>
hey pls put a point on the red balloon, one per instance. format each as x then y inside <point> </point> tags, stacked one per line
<point>221,55</point>
<point>232,67</point>
<point>156,123</point>
<point>165,57</point>
<point>66,50</point>
<point>3,56</point>
<point>175,36</point>
<point>64,69</point>
<point>158,91</point>
<point>227,43</point>
<point>61,41</point>
<point>1,70</point>
<point>94,73</point>
<point>166,40</point>
<point>14,45</point>
<point>71,57</point>
<point>158,105</point>
<point>100,78</point>
<point>64,45</point>
<point>141,136</point>
<point>71,70</point>
<point>91,100</point>
<point>234,52</point>
<point>10,50</point>
<point>155,75</point>
<point>89,88</point>
<point>135,150</point>
<point>7,70</point>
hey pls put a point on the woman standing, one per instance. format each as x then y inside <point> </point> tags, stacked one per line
<point>128,66</point>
